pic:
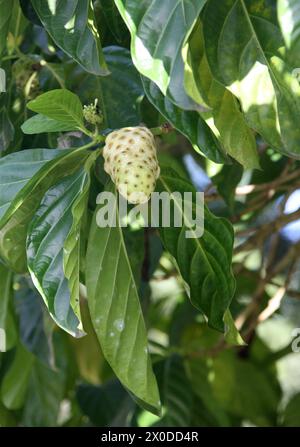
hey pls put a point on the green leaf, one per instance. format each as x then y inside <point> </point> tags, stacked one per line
<point>205,262</point>
<point>6,130</point>
<point>244,48</point>
<point>72,243</point>
<point>53,249</point>
<point>15,382</point>
<point>33,331</point>
<point>119,94</point>
<point>178,395</point>
<point>44,396</point>
<point>41,123</point>
<point>158,31</point>
<point>225,118</point>
<point>232,335</point>
<point>188,122</point>
<point>226,182</point>
<point>291,415</point>
<point>113,20</point>
<point>103,404</point>
<point>25,177</point>
<point>60,105</point>
<point>7,323</point>
<point>116,312</point>
<point>6,9</point>
<point>289,20</point>
<point>72,27</point>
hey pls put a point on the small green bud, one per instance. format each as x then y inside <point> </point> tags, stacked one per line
<point>92,114</point>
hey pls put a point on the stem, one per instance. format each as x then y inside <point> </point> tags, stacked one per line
<point>163,129</point>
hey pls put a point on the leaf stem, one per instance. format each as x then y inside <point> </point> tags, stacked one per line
<point>163,129</point>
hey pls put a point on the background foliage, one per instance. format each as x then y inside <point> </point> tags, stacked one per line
<point>143,327</point>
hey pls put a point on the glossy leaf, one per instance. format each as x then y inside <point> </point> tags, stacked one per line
<point>225,118</point>
<point>119,94</point>
<point>53,249</point>
<point>116,312</point>
<point>205,262</point>
<point>6,9</point>
<point>41,123</point>
<point>25,177</point>
<point>188,122</point>
<point>242,45</point>
<point>158,31</point>
<point>60,105</point>
<point>72,27</point>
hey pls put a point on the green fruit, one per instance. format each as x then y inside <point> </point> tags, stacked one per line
<point>131,161</point>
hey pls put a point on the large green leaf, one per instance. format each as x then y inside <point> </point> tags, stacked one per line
<point>204,262</point>
<point>60,105</point>
<point>53,249</point>
<point>244,48</point>
<point>116,312</point>
<point>72,27</point>
<point>7,323</point>
<point>25,177</point>
<point>188,122</point>
<point>224,117</point>
<point>6,9</point>
<point>119,93</point>
<point>158,30</point>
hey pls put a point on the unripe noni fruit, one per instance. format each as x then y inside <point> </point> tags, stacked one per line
<point>131,161</point>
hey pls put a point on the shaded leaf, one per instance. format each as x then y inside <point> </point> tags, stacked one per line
<point>189,123</point>
<point>6,9</point>
<point>7,322</point>
<point>6,130</point>
<point>15,382</point>
<point>119,93</point>
<point>44,395</point>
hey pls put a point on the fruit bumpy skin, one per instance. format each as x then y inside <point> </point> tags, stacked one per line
<point>131,161</point>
